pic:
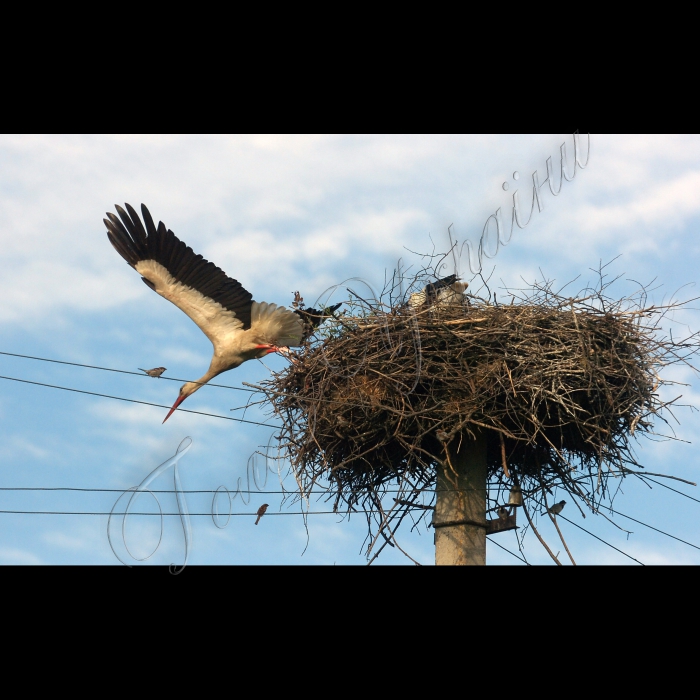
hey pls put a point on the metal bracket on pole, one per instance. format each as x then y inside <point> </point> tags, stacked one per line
<point>452,523</point>
<point>501,524</point>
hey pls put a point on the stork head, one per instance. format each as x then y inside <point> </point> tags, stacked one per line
<point>185,390</point>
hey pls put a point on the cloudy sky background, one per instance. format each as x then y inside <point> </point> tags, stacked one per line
<point>281,213</point>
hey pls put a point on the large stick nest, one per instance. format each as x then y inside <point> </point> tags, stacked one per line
<point>560,387</point>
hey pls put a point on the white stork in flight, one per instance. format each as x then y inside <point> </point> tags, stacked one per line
<point>239,328</point>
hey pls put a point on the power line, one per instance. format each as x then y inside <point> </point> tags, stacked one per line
<point>599,538</point>
<point>651,527</point>
<point>210,514</point>
<point>508,550</point>
<point>312,493</point>
<point>287,492</point>
<point>75,488</point>
<point>145,403</point>
<point>255,389</point>
<point>72,488</point>
<point>672,489</point>
<point>323,512</point>
<point>121,371</point>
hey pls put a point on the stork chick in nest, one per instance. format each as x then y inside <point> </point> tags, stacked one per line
<point>440,293</point>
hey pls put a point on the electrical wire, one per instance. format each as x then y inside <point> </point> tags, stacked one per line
<point>254,388</point>
<point>75,488</point>
<point>672,489</point>
<point>145,403</point>
<point>250,491</point>
<point>121,371</point>
<point>508,550</point>
<point>288,492</point>
<point>222,514</point>
<point>559,515</point>
<point>651,527</point>
<point>42,512</point>
<point>320,512</point>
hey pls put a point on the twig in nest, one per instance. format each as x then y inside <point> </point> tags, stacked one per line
<point>554,521</point>
<point>503,456</point>
<point>539,537</point>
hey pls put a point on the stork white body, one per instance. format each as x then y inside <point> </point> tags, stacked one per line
<point>270,325</point>
<point>239,328</point>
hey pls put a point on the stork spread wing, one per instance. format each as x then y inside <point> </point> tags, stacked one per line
<point>214,301</point>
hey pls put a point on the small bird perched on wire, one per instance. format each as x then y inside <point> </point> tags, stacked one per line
<point>261,512</point>
<point>557,508</point>
<point>447,290</point>
<point>155,372</point>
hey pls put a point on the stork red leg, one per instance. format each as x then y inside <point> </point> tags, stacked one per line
<point>269,348</point>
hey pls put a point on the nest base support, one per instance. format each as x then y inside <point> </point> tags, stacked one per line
<point>460,508</point>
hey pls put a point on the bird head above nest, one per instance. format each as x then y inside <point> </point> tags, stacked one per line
<point>441,293</point>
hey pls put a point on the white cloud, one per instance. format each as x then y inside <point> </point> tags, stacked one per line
<point>18,446</point>
<point>649,556</point>
<point>233,198</point>
<point>11,555</point>
<point>667,205</point>
<point>63,540</point>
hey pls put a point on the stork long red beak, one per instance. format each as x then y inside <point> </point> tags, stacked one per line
<point>178,401</point>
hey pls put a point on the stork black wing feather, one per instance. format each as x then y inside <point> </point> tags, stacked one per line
<point>135,230</point>
<point>173,249</point>
<point>126,226</point>
<point>138,226</point>
<point>135,243</point>
<point>121,241</point>
<point>188,264</point>
<point>118,229</point>
<point>158,243</point>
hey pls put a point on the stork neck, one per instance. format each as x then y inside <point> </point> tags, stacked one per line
<point>212,372</point>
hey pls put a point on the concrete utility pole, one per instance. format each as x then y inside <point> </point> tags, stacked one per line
<point>460,510</point>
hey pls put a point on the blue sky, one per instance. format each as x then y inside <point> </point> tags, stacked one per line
<point>281,213</point>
